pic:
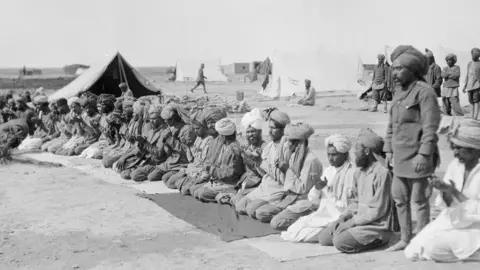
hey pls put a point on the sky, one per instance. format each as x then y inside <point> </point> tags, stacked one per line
<point>53,33</point>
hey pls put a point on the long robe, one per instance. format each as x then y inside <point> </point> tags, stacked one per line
<point>332,201</point>
<point>125,146</point>
<point>455,234</point>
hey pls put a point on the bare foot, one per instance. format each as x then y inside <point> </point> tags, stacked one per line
<point>401,245</point>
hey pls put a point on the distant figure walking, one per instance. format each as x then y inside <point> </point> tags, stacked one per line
<point>200,79</point>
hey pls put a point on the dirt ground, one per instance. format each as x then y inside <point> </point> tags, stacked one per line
<point>61,218</point>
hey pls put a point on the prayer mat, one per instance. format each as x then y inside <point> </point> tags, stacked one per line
<point>213,218</point>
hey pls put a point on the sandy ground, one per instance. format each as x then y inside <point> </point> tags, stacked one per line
<point>61,218</point>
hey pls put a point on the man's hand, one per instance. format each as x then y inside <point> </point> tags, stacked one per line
<point>464,90</point>
<point>419,163</point>
<point>441,185</point>
<point>320,184</point>
<point>344,226</point>
<point>282,166</point>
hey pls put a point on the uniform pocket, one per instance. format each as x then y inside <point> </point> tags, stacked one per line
<point>409,112</point>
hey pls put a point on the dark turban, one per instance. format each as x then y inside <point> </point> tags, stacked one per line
<point>371,140</point>
<point>299,131</point>
<point>107,99</point>
<point>212,114</point>
<point>410,58</point>
<point>451,56</point>
<point>278,119</point>
<point>62,102</point>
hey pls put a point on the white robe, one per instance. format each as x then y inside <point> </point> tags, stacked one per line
<point>329,208</point>
<point>455,234</point>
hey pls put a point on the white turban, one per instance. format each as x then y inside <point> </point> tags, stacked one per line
<point>40,99</point>
<point>254,119</point>
<point>341,143</point>
<point>72,100</point>
<point>225,127</point>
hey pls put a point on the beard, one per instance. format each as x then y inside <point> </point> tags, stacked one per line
<point>361,161</point>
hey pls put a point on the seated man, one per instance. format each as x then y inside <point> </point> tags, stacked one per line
<point>224,164</point>
<point>331,195</point>
<point>204,125</point>
<point>310,94</point>
<point>272,169</point>
<point>182,137</point>
<point>251,155</point>
<point>455,234</point>
<point>15,131</point>
<point>62,128</point>
<point>304,170</point>
<point>368,221</point>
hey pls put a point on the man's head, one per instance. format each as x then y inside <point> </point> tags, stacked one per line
<point>381,58</point>
<point>277,121</point>
<point>154,114</point>
<point>41,102</point>
<point>127,109</point>
<point>451,59</point>
<point>21,103</point>
<point>226,128</point>
<point>62,106</point>
<point>74,104</point>
<point>198,126</point>
<point>430,57</point>
<point>475,54</point>
<point>107,103</point>
<point>338,147</point>
<point>123,87</point>
<point>408,64</point>
<point>465,141</point>
<point>170,115</point>
<point>202,65</point>
<point>253,122</point>
<point>308,83</point>
<point>298,134</point>
<point>11,104</point>
<point>89,105</point>
<point>369,145</point>
<point>209,117</point>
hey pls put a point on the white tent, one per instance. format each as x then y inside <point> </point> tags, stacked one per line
<point>189,70</point>
<point>328,71</point>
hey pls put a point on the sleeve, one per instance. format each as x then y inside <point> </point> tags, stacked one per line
<point>231,171</point>
<point>387,147</point>
<point>353,201</point>
<point>311,171</point>
<point>455,75</point>
<point>437,77</point>
<point>430,120</point>
<point>379,205</point>
<point>467,76</point>
<point>314,195</point>
<point>445,73</point>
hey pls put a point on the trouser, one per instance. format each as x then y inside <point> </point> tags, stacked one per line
<point>150,173</point>
<point>208,192</point>
<point>285,218</point>
<point>405,191</point>
<point>452,103</point>
<point>80,148</point>
<point>278,217</point>
<point>177,180</point>
<point>345,242</point>
<point>378,95</point>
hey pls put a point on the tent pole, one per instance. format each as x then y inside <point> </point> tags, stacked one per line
<point>123,72</point>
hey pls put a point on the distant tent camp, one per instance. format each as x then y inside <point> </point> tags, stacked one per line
<point>327,70</point>
<point>188,70</point>
<point>105,76</point>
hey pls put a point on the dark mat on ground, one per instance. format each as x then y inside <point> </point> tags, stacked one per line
<point>213,218</point>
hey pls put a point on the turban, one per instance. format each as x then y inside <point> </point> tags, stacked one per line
<point>62,102</point>
<point>279,119</point>
<point>410,58</point>
<point>381,56</point>
<point>308,81</point>
<point>451,56</point>
<point>213,115</point>
<point>156,111</point>
<point>122,85</point>
<point>128,103</point>
<point>299,131</point>
<point>371,140</point>
<point>341,143</point>
<point>106,99</point>
<point>466,133</point>
<point>253,119</point>
<point>476,52</point>
<point>429,54</point>
<point>40,99</point>
<point>197,119</point>
<point>167,112</point>
<point>10,100</point>
<point>72,100</point>
<point>225,127</point>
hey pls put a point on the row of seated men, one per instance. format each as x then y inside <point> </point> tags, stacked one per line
<point>347,205</point>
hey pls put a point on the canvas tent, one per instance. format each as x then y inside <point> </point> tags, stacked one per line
<point>188,70</point>
<point>328,71</point>
<point>105,76</point>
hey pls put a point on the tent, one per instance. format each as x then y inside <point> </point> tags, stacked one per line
<point>105,76</point>
<point>189,70</point>
<point>328,71</point>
